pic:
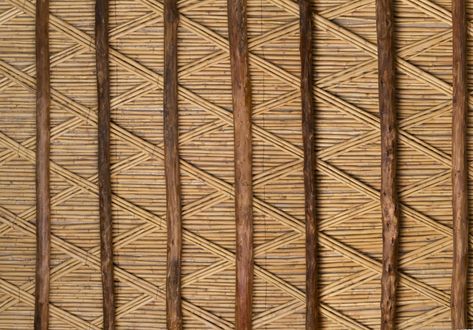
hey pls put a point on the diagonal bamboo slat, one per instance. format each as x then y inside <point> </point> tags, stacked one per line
<point>348,181</point>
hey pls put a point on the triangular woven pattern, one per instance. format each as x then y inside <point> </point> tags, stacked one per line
<point>348,164</point>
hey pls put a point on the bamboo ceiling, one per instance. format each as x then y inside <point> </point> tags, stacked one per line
<point>348,171</point>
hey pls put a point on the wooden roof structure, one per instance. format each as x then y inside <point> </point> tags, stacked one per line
<point>203,164</point>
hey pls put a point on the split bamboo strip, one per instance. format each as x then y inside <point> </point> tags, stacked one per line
<point>43,207</point>
<point>459,299</point>
<point>172,173</point>
<point>105,189</point>
<point>241,94</point>
<point>348,172</point>
<point>308,136</point>
<point>389,198</point>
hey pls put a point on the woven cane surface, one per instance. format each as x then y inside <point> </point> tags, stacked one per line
<point>348,164</point>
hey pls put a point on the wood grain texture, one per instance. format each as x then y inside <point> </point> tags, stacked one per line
<point>459,299</point>
<point>105,189</point>
<point>241,93</point>
<point>389,136</point>
<point>312,313</point>
<point>43,207</point>
<point>173,185</point>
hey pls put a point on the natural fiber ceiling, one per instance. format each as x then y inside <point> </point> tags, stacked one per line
<point>348,166</point>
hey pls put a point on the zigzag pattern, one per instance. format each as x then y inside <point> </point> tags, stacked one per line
<point>349,195</point>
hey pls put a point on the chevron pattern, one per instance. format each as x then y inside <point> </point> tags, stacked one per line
<point>347,126</point>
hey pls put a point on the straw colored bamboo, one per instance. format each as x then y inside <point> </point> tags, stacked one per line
<point>104,180</point>
<point>173,189</point>
<point>241,94</point>
<point>389,136</point>
<point>459,299</point>
<point>43,208</point>
<point>308,136</point>
<point>348,171</point>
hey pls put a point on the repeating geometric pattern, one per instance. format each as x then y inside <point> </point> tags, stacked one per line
<point>348,174</point>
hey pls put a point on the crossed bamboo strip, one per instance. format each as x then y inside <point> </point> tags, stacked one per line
<point>258,271</point>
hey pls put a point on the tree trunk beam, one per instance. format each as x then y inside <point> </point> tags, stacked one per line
<point>241,92</point>
<point>459,299</point>
<point>172,172</point>
<point>308,137</point>
<point>105,189</point>
<point>389,137</point>
<point>43,207</point>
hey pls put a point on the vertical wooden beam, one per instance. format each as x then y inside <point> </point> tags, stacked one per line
<point>173,186</point>
<point>43,208</point>
<point>308,137</point>
<point>105,189</point>
<point>459,300</point>
<point>241,92</point>
<point>389,198</point>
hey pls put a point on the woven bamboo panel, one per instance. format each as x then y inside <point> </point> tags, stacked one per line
<point>348,167</point>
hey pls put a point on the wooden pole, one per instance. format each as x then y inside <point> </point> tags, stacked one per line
<point>105,191</point>
<point>241,92</point>
<point>459,300</point>
<point>389,198</point>
<point>312,314</point>
<point>43,208</point>
<point>173,186</point>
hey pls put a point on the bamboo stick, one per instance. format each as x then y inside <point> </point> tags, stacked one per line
<point>459,299</point>
<point>312,315</point>
<point>389,198</point>
<point>173,186</point>
<point>43,207</point>
<point>241,93</point>
<point>105,191</point>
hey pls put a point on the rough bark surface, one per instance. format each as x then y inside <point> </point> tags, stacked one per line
<point>459,299</point>
<point>105,189</point>
<point>389,136</point>
<point>241,91</point>
<point>173,186</point>
<point>43,208</point>
<point>312,314</point>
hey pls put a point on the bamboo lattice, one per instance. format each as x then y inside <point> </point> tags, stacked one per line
<point>348,164</point>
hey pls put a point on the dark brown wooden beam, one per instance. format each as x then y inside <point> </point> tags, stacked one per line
<point>43,208</point>
<point>241,92</point>
<point>105,189</point>
<point>459,300</point>
<point>308,137</point>
<point>173,185</point>
<point>389,137</point>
